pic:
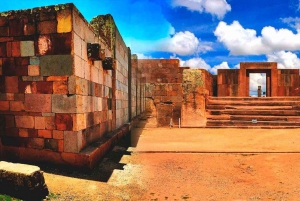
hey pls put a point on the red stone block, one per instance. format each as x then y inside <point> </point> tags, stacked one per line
<point>16,27</point>
<point>10,96</point>
<point>6,39</point>
<point>50,123</point>
<point>44,87</point>
<point>4,31</point>
<point>38,102</point>
<point>32,132</point>
<point>11,84</point>
<point>60,145</point>
<point>4,105</point>
<point>10,121</point>
<point>23,133</point>
<point>29,29</point>
<point>64,122</point>
<point>21,61</point>
<point>8,49</point>
<point>2,49</point>
<point>58,135</point>
<point>47,27</point>
<point>61,43</point>
<point>60,87</point>
<point>24,121</point>
<point>45,133</point>
<point>8,66</point>
<point>15,49</point>
<point>21,70</point>
<point>17,106</point>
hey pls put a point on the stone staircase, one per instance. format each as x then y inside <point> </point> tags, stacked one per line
<point>249,112</point>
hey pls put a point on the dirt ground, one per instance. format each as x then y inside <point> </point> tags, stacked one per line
<point>189,164</point>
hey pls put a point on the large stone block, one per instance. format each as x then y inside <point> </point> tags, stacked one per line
<point>11,83</point>
<point>72,141</point>
<point>56,65</point>
<point>64,122</point>
<point>38,102</point>
<point>47,27</point>
<point>24,121</point>
<point>22,181</point>
<point>27,48</point>
<point>64,19</point>
<point>63,103</point>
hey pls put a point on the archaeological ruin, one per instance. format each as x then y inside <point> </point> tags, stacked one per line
<point>69,89</point>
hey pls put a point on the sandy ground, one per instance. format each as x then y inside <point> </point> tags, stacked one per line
<point>190,164</point>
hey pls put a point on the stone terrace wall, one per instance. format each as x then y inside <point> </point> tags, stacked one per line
<point>54,101</point>
<point>228,82</point>
<point>163,90</point>
<point>288,82</point>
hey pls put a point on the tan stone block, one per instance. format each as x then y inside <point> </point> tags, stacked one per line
<point>64,21</point>
<point>60,87</point>
<point>79,122</point>
<point>33,70</point>
<point>50,122</point>
<point>39,123</point>
<point>45,133</point>
<point>24,121</point>
<point>72,141</point>
<point>58,134</point>
<point>78,66</point>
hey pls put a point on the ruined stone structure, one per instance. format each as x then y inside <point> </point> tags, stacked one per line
<point>70,89</point>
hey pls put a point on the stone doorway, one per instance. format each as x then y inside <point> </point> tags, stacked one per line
<point>257,78</point>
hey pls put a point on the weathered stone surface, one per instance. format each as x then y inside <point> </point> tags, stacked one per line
<point>63,103</point>
<point>22,181</point>
<point>27,48</point>
<point>52,65</point>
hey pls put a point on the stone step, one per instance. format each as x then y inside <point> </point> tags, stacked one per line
<point>251,107</point>
<point>249,123</point>
<point>257,117</point>
<point>253,103</point>
<point>255,127</point>
<point>282,98</point>
<point>256,112</point>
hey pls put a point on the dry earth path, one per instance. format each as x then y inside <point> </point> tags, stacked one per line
<point>190,164</point>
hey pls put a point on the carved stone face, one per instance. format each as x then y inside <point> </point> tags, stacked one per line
<point>44,44</point>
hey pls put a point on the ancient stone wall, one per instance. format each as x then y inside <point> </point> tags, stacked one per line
<point>163,90</point>
<point>288,82</point>
<point>54,99</point>
<point>228,82</point>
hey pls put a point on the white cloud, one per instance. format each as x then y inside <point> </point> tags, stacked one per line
<point>223,65</point>
<point>142,56</point>
<point>196,63</point>
<point>284,59</point>
<point>241,41</point>
<point>293,22</point>
<point>215,7</point>
<point>255,80</point>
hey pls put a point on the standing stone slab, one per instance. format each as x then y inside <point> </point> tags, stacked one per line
<point>52,65</point>
<point>22,181</point>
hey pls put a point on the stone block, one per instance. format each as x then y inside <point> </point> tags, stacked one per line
<point>24,121</point>
<point>4,31</point>
<point>17,106</point>
<point>34,60</point>
<point>29,29</point>
<point>44,134</point>
<point>52,65</point>
<point>72,141</point>
<point>33,133</point>
<point>58,134</point>
<point>33,70</point>
<point>51,144</point>
<point>61,43</point>
<point>64,122</point>
<point>9,121</point>
<point>16,27</point>
<point>57,78</point>
<point>60,145</point>
<point>11,84</point>
<point>64,21</point>
<point>38,102</point>
<point>2,49</point>
<point>23,133</point>
<point>63,103</point>
<point>44,45</point>
<point>47,27</point>
<point>15,49</point>
<point>39,123</point>
<point>4,105</point>
<point>36,143</point>
<point>27,48</point>
<point>44,87</point>
<point>79,122</point>
<point>60,87</point>
<point>23,181</point>
<point>50,122</point>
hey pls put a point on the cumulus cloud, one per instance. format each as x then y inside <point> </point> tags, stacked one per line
<point>241,41</point>
<point>293,22</point>
<point>215,7</point>
<point>196,63</point>
<point>284,59</point>
<point>183,43</point>
<point>143,56</point>
<point>223,65</point>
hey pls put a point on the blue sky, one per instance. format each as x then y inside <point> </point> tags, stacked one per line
<point>208,34</point>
